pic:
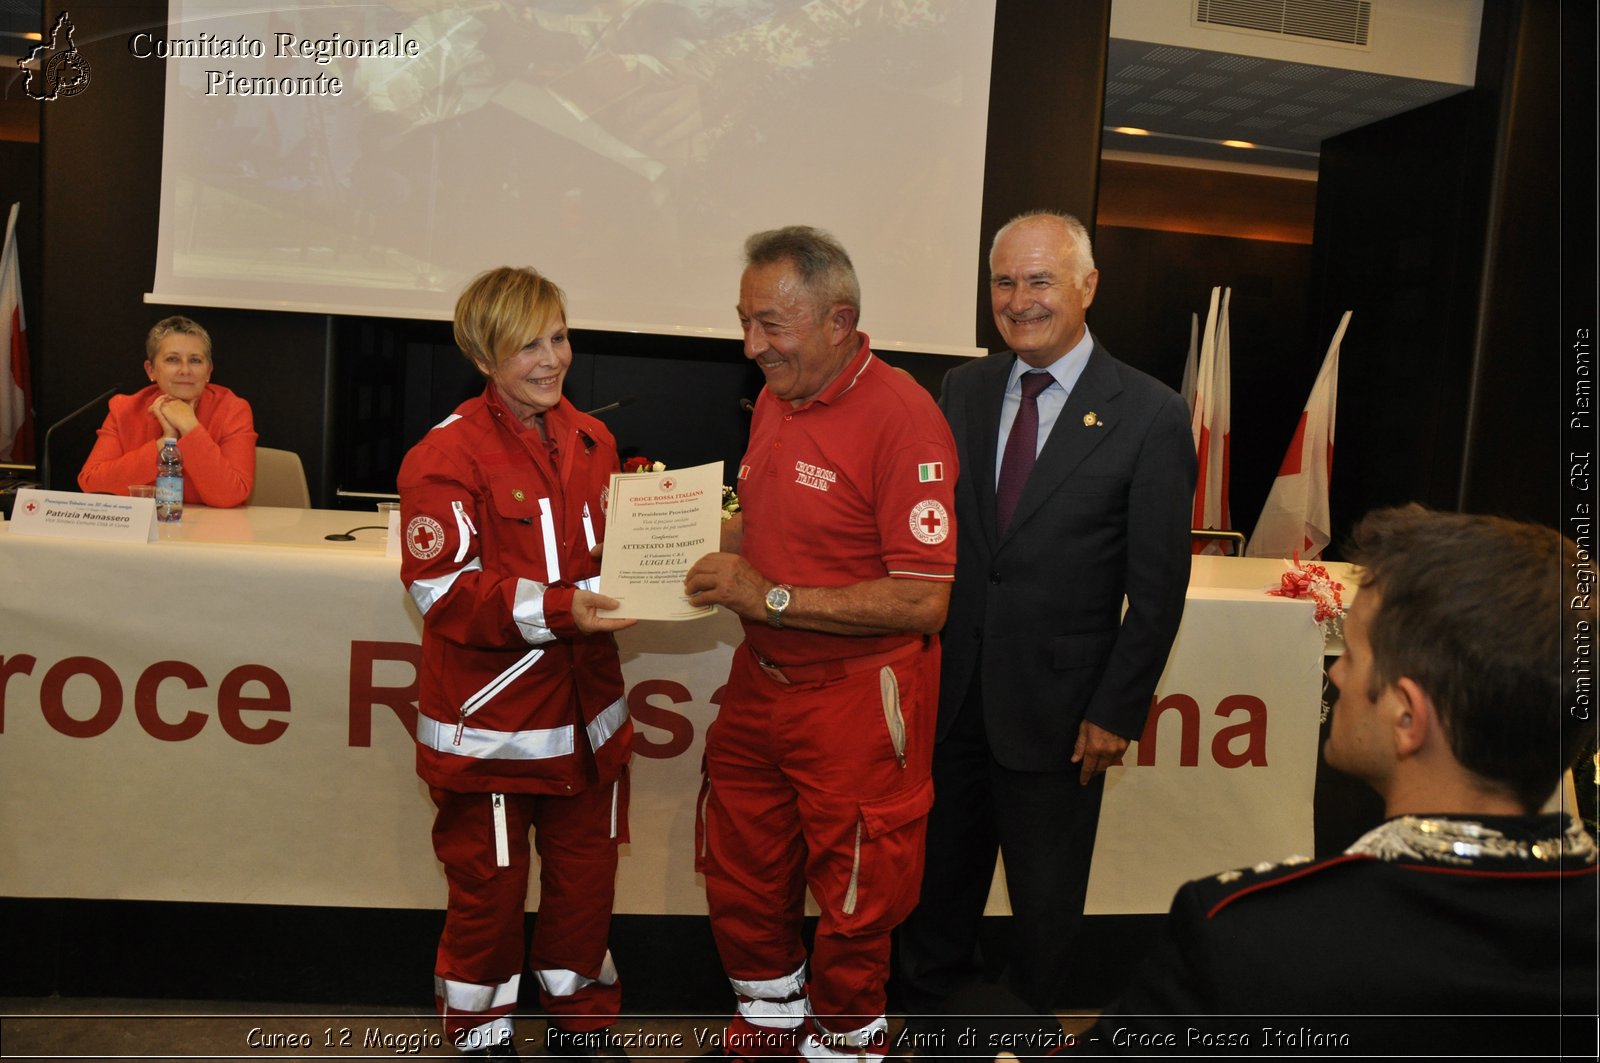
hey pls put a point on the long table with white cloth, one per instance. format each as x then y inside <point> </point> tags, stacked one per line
<point>224,715</point>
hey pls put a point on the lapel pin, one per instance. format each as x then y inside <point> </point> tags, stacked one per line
<point>1092,420</point>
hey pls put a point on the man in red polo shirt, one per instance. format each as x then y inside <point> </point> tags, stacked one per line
<point>818,768</point>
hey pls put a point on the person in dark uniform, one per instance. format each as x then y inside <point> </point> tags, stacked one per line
<point>1466,922</point>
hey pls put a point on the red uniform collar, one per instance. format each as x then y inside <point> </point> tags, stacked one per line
<point>554,417</point>
<point>847,376</point>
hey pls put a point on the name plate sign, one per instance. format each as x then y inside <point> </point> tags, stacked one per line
<point>72,515</point>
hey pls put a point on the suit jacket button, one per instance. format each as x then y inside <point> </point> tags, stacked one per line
<point>994,577</point>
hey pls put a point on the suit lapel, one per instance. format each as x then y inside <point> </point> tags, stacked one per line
<point>983,424</point>
<point>1072,439</point>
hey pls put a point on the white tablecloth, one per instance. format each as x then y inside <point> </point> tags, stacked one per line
<point>218,716</point>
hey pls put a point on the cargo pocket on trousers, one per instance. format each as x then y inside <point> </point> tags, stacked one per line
<point>886,864</point>
<point>621,792</point>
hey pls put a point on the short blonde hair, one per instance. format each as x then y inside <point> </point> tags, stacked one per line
<point>503,310</point>
<point>168,325</point>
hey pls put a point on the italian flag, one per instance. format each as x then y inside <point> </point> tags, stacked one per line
<point>930,472</point>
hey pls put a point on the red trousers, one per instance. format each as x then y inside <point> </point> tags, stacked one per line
<point>480,960</point>
<point>805,787</point>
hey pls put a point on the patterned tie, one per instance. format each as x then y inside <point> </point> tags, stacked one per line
<point>1021,448</point>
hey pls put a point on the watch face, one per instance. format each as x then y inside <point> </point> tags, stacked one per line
<point>778,598</point>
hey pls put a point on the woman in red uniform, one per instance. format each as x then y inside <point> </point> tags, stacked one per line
<point>523,725</point>
<point>215,432</point>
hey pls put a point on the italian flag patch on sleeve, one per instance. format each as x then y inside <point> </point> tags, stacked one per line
<point>930,472</point>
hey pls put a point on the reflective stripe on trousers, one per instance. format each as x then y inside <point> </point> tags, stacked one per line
<point>563,983</point>
<point>777,1003</point>
<point>467,998</point>
<point>869,1040</point>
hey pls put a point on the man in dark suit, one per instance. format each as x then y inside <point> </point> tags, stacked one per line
<point>1077,477</point>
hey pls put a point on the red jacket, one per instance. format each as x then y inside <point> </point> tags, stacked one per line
<point>514,697</point>
<point>219,457</point>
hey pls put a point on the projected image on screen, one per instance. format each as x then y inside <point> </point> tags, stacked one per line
<point>372,158</point>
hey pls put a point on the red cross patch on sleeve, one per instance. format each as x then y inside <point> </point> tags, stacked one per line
<point>424,537</point>
<point>929,522</point>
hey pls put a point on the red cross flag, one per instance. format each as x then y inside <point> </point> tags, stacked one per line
<point>1210,422</point>
<point>16,404</point>
<point>1296,522</point>
<point>1190,366</point>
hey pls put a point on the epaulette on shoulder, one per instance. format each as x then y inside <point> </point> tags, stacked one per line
<point>1219,891</point>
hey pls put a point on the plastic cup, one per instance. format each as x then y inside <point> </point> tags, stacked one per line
<point>388,513</point>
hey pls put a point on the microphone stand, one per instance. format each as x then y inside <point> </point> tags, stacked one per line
<point>44,458</point>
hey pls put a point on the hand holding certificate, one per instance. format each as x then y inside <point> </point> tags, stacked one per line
<point>658,524</point>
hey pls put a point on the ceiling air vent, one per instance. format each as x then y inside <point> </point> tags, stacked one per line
<point>1341,21</point>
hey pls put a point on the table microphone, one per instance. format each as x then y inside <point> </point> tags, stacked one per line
<point>44,459</point>
<point>628,400</point>
<point>348,537</point>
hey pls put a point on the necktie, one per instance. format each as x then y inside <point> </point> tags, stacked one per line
<point>1021,448</point>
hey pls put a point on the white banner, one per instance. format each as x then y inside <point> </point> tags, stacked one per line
<point>1223,776</point>
<point>225,716</point>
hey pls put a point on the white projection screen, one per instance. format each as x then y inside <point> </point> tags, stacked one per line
<point>624,148</point>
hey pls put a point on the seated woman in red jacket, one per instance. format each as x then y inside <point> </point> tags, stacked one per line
<point>215,432</point>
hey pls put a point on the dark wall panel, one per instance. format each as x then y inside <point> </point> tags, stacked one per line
<point>102,190</point>
<point>1046,101</point>
<point>1400,244</point>
<point>397,379</point>
<point>1519,347</point>
<point>102,175</point>
<point>1440,228</point>
<point>1150,283</point>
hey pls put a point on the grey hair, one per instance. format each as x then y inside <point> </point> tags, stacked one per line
<point>1082,255</point>
<point>821,262</point>
<point>168,325</point>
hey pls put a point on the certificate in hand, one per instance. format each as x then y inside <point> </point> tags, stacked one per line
<point>658,524</point>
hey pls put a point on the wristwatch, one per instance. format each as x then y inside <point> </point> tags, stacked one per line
<point>777,601</point>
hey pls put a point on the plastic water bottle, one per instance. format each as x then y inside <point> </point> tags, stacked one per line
<point>169,482</point>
